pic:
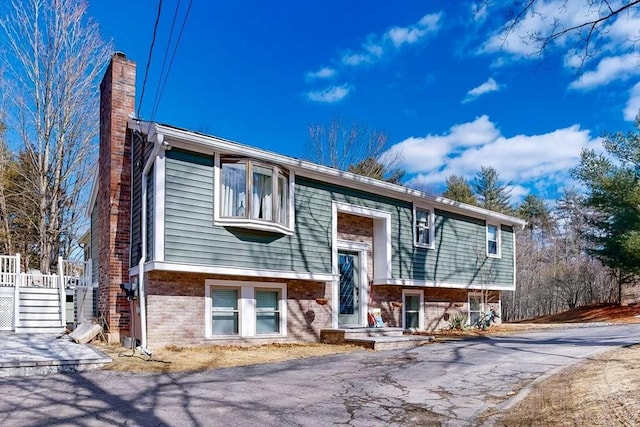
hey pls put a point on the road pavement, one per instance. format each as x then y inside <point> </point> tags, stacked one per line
<point>451,383</point>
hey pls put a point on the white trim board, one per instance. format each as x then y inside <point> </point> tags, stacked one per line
<point>434,284</point>
<point>231,271</point>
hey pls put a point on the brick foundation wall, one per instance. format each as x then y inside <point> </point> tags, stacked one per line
<point>386,298</point>
<point>354,228</point>
<point>117,101</point>
<point>305,315</point>
<point>176,309</point>
<point>443,304</point>
<point>440,305</point>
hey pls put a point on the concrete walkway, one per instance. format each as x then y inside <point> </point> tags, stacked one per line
<point>36,354</point>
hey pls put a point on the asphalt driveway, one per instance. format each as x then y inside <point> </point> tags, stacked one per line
<point>449,383</point>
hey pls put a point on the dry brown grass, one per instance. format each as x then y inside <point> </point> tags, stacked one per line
<point>602,392</point>
<point>594,313</point>
<point>186,359</point>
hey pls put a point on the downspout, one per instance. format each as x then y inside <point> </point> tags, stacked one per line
<point>143,241</point>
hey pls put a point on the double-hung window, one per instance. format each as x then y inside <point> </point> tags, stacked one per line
<point>267,312</point>
<point>254,195</point>
<point>245,309</point>
<point>423,226</point>
<point>224,311</point>
<point>493,240</point>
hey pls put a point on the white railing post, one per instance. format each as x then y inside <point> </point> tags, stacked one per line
<point>62,291</point>
<point>16,294</point>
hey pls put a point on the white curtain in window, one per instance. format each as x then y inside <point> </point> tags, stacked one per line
<point>234,184</point>
<point>262,200</point>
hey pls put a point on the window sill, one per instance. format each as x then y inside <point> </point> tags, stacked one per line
<point>423,246</point>
<point>269,227</point>
<point>497,256</point>
<point>240,337</point>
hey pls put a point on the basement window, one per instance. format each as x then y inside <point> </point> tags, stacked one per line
<point>245,309</point>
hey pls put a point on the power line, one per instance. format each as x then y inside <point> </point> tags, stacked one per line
<point>173,55</point>
<point>153,41</point>
<point>164,60</point>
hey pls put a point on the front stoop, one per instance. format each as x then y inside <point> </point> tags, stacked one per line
<point>378,339</point>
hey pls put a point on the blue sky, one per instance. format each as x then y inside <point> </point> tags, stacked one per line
<point>436,76</point>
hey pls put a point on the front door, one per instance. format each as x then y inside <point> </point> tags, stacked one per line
<point>349,314</point>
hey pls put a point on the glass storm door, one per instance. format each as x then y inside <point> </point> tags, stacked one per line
<point>349,314</point>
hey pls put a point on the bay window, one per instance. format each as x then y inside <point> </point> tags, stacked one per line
<point>254,194</point>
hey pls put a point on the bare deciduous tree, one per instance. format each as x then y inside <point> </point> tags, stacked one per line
<point>357,148</point>
<point>54,56</point>
<point>586,22</point>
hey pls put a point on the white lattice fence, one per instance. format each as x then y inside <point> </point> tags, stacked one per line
<point>6,313</point>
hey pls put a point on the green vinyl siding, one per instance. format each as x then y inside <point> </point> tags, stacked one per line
<point>191,237</point>
<point>319,197</point>
<point>459,256</point>
<point>141,150</point>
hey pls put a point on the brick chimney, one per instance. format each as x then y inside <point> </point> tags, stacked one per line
<point>117,102</point>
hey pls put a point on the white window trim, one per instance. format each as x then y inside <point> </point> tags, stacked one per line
<point>419,293</point>
<point>246,308</point>
<point>381,251</point>
<point>482,304</point>
<point>254,224</point>
<point>498,253</point>
<point>431,224</point>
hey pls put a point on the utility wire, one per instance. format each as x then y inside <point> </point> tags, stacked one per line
<point>164,60</point>
<point>153,41</point>
<point>173,55</point>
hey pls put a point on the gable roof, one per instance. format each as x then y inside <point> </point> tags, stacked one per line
<point>210,143</point>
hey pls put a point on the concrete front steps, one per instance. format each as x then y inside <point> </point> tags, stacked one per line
<point>377,339</point>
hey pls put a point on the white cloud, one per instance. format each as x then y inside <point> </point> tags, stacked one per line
<point>377,46</point>
<point>355,59</point>
<point>632,108</point>
<point>608,69</point>
<point>612,53</point>
<point>479,11</point>
<point>520,159</point>
<point>541,20</point>
<point>489,86</point>
<point>372,50</point>
<point>428,153</point>
<point>322,73</point>
<point>330,95</point>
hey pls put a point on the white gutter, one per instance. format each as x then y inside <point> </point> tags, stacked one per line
<point>143,238</point>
